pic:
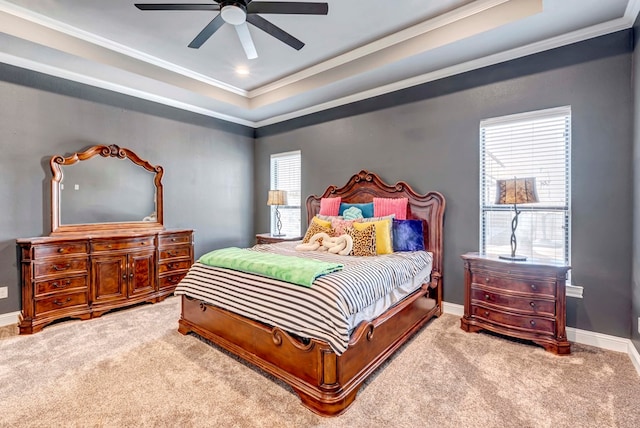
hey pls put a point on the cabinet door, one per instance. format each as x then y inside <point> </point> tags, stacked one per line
<point>141,273</point>
<point>109,278</point>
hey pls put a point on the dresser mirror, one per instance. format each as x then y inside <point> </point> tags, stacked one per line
<point>105,188</point>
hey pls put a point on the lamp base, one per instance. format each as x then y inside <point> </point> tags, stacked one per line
<point>515,258</point>
<point>278,235</point>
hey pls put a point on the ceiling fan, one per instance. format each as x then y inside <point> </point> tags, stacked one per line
<point>239,12</point>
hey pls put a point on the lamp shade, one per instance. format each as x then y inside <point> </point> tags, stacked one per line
<point>277,197</point>
<point>516,191</point>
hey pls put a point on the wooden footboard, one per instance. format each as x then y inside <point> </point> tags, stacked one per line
<point>325,382</point>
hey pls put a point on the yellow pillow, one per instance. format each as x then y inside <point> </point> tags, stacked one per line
<point>320,222</point>
<point>383,234</point>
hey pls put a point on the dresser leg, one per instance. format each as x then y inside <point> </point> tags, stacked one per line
<point>560,348</point>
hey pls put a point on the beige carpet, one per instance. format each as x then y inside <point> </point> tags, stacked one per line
<point>132,368</point>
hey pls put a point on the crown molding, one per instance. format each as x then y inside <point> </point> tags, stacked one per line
<point>69,30</point>
<point>533,48</point>
<point>121,89</point>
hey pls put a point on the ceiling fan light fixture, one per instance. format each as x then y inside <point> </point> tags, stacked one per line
<point>233,14</point>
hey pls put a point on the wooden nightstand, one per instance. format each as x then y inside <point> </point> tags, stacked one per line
<point>267,238</point>
<point>526,300</point>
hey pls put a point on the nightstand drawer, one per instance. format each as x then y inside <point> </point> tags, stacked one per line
<point>520,304</point>
<point>521,285</point>
<point>539,325</point>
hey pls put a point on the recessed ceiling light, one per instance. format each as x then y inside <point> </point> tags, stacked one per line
<point>242,70</point>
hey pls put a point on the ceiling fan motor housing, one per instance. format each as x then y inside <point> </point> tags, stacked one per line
<point>233,12</point>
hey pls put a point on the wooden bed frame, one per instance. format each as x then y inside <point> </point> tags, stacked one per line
<point>327,383</point>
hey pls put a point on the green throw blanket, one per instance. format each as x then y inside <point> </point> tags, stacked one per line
<point>291,269</point>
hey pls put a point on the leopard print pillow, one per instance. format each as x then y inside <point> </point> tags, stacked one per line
<point>364,241</point>
<point>313,229</point>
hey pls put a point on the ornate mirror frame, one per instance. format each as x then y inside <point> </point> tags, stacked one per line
<point>115,151</point>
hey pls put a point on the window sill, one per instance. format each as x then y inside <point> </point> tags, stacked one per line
<point>574,291</point>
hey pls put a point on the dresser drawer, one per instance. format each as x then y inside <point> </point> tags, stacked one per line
<point>170,281</point>
<point>169,266</point>
<point>175,252</point>
<point>531,323</point>
<point>174,238</point>
<point>61,301</point>
<point>122,243</point>
<point>49,250</point>
<point>61,266</point>
<point>521,285</point>
<point>521,304</point>
<point>60,285</point>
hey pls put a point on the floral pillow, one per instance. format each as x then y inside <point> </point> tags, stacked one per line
<point>340,226</point>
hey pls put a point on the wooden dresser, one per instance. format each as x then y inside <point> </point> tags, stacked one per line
<point>526,300</point>
<point>86,276</point>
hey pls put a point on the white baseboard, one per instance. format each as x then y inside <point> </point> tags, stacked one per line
<point>584,337</point>
<point>9,318</point>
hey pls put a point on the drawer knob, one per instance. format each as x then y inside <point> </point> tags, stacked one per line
<point>57,285</point>
<point>173,239</point>
<point>533,304</point>
<point>131,275</point>
<point>486,313</point>
<point>109,246</point>
<point>124,276</point>
<point>172,253</point>
<point>532,322</point>
<point>61,250</point>
<point>533,286</point>
<point>487,279</point>
<point>487,297</point>
<point>59,268</point>
<point>59,303</point>
<point>143,243</point>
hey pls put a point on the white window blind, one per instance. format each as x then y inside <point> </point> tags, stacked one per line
<point>286,175</point>
<point>535,144</point>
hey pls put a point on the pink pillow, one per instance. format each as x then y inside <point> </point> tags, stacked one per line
<point>330,206</point>
<point>388,206</point>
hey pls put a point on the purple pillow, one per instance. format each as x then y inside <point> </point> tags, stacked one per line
<point>408,235</point>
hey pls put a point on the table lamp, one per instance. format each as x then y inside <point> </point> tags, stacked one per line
<point>277,198</point>
<point>515,191</point>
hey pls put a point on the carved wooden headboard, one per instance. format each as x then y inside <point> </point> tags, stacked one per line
<point>364,186</point>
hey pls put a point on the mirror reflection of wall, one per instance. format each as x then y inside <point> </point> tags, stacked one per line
<point>106,190</point>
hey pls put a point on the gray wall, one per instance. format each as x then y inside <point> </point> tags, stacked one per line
<point>428,136</point>
<point>208,179</point>
<point>635,290</point>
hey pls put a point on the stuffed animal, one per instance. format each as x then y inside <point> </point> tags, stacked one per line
<point>342,244</point>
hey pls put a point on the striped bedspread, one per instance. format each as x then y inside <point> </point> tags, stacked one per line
<point>325,310</point>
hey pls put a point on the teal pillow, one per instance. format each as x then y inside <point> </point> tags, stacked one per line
<point>352,213</point>
<point>367,209</point>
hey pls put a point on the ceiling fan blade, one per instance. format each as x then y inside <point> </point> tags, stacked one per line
<point>246,40</point>
<point>176,6</point>
<point>207,32</point>
<point>295,7</point>
<point>275,31</point>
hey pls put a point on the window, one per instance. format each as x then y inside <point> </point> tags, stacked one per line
<point>535,144</point>
<point>285,175</point>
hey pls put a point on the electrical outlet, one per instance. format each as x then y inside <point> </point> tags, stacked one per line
<point>4,292</point>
